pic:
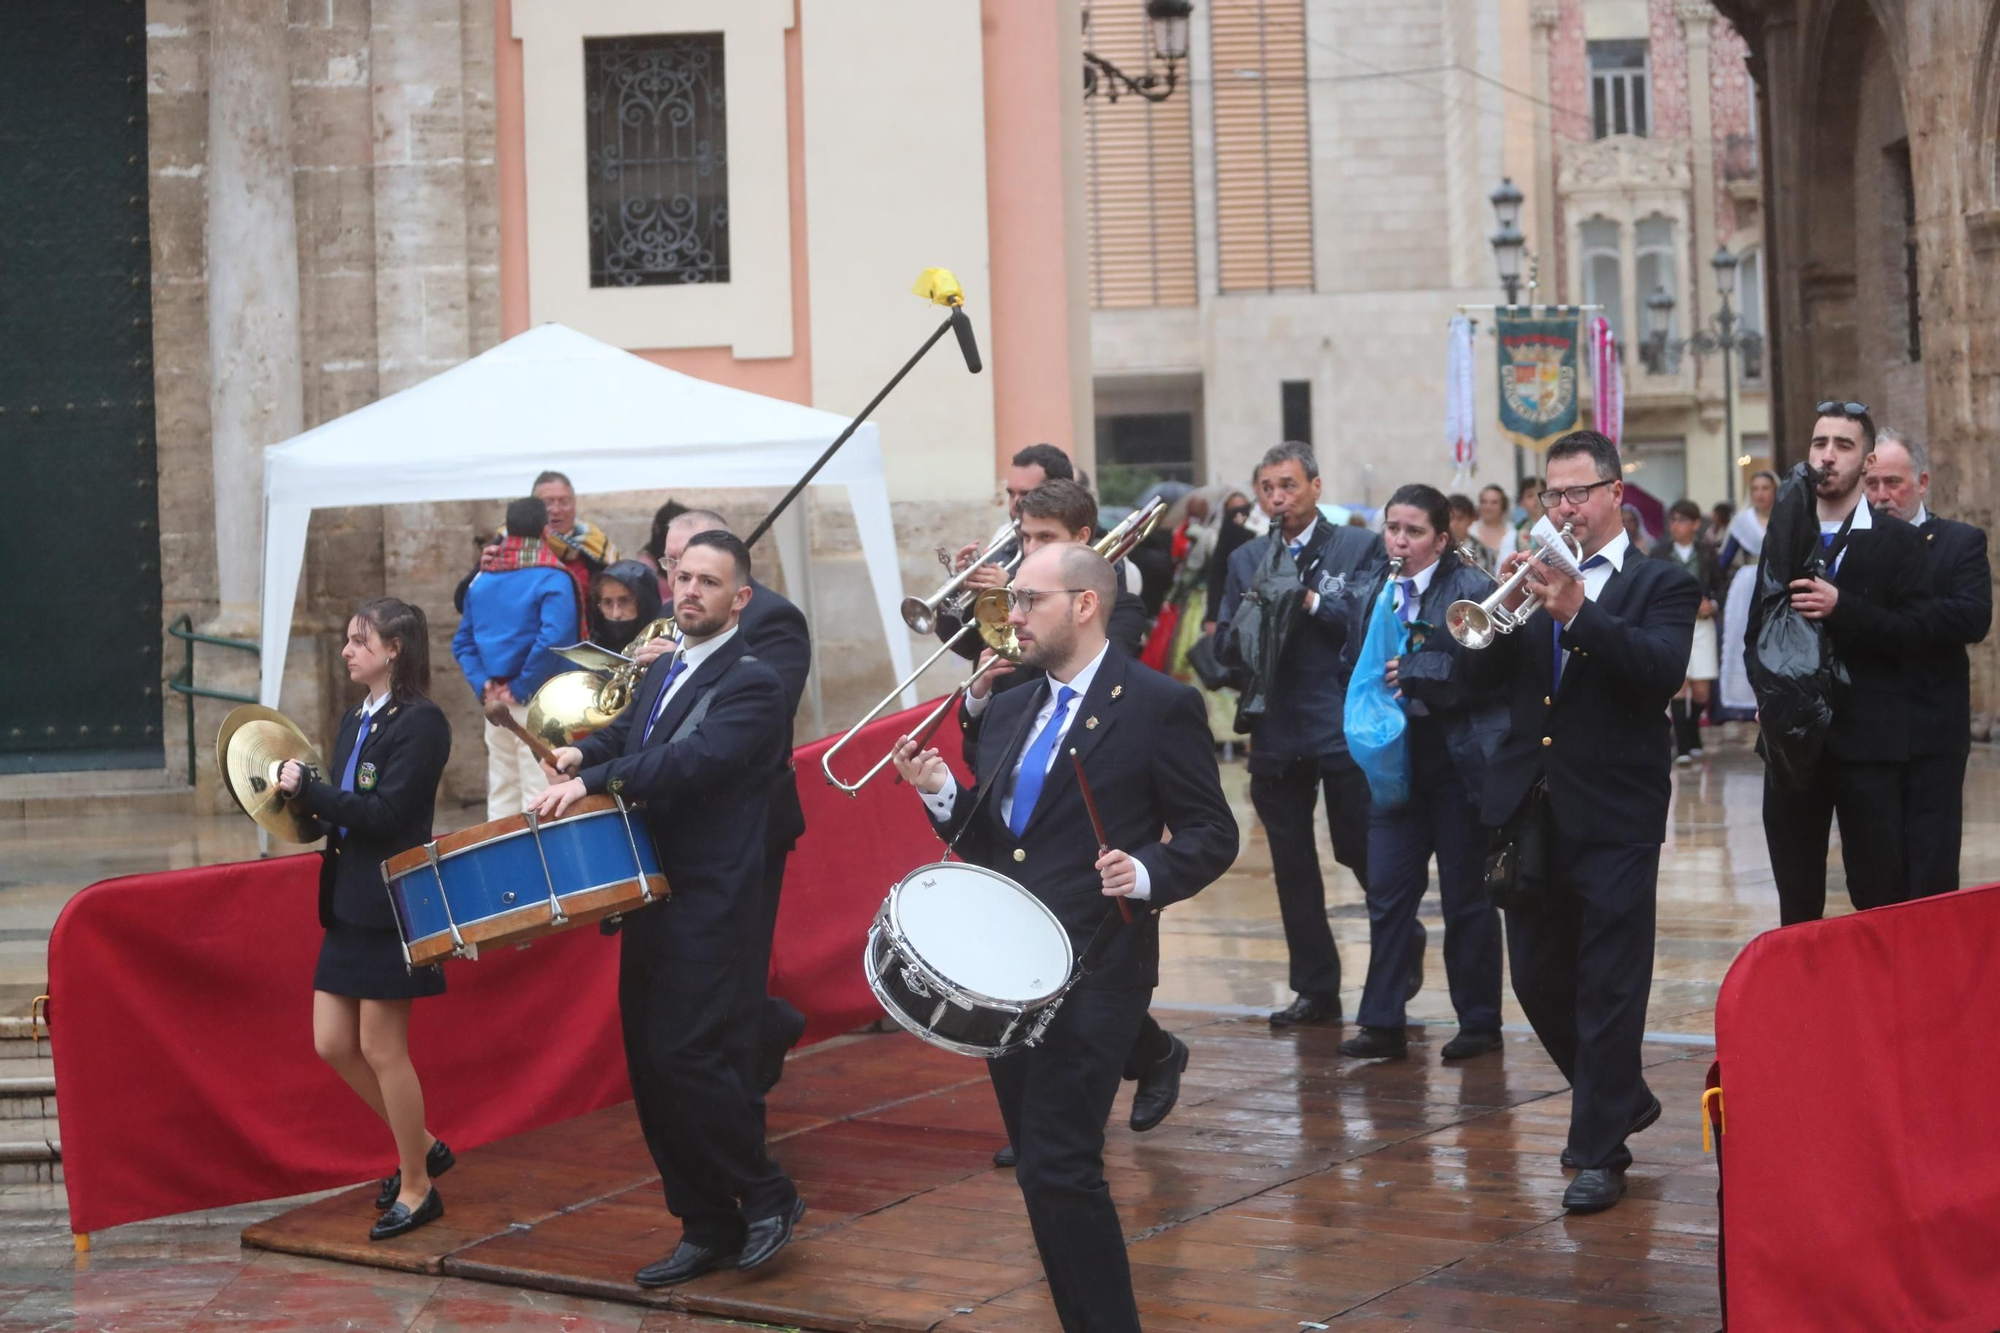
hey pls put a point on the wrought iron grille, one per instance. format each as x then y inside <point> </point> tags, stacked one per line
<point>659,164</point>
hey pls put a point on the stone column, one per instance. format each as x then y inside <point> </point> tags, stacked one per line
<point>253,286</point>
<point>1695,16</point>
<point>1542,240</point>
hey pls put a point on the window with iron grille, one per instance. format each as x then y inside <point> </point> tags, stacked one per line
<point>1618,89</point>
<point>658,169</point>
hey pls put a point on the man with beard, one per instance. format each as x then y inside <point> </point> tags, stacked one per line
<point>1868,602</point>
<point>700,745</point>
<point>1960,613</point>
<point>1143,741</point>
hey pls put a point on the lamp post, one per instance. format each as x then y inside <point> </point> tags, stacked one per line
<point>1508,242</point>
<point>1169,22</point>
<point>1721,335</point>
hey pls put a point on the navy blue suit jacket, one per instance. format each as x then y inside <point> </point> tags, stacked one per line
<point>408,745</point>
<point>1960,612</point>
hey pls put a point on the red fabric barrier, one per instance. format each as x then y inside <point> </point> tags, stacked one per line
<point>1859,1094</point>
<point>182,1016</point>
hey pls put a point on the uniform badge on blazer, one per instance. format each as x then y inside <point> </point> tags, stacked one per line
<point>364,778</point>
<point>1117,690</point>
<point>1090,724</point>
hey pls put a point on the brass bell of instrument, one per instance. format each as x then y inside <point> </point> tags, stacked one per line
<point>572,705</point>
<point>253,743</point>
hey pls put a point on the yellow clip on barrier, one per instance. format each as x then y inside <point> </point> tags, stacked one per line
<point>1712,1095</point>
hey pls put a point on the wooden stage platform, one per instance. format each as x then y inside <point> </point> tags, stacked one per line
<point>1290,1187</point>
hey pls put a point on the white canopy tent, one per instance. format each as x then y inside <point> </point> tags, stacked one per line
<point>553,397</point>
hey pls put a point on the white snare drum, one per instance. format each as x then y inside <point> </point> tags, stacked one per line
<point>968,960</point>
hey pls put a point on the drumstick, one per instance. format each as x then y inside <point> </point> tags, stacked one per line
<point>1096,824</point>
<point>498,714</point>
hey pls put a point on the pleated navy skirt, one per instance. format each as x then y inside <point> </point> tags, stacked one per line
<point>367,964</point>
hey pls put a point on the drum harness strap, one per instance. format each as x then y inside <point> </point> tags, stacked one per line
<point>1092,948</point>
<point>700,709</point>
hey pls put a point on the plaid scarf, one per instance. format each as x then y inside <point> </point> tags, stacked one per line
<point>585,545</point>
<point>512,553</point>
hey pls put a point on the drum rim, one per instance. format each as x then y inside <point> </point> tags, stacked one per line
<point>419,858</point>
<point>541,899</point>
<point>895,925</point>
<point>932,1037</point>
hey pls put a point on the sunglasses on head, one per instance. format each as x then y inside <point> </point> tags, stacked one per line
<point>1832,407</point>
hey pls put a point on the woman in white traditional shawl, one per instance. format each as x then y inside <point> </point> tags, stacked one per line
<point>1746,543</point>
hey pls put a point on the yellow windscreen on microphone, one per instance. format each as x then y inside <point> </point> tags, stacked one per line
<point>940,287</point>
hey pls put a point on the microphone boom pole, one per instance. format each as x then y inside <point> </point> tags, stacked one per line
<point>943,289</point>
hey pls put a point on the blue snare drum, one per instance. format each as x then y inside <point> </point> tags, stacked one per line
<point>512,880</point>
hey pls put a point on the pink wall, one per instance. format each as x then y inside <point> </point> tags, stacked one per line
<point>1025,82</point>
<point>1026,86</point>
<point>785,377</point>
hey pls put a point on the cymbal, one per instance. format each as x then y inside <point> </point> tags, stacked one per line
<point>253,742</point>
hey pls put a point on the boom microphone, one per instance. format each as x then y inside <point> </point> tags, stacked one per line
<point>962,326</point>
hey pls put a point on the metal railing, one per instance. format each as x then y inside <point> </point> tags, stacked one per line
<point>183,684</point>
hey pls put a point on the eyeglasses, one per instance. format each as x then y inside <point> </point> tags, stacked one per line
<point>1025,598</point>
<point>1576,495</point>
<point>1832,407</point>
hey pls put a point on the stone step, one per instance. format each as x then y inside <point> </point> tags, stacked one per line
<point>159,798</point>
<point>30,1097</point>
<point>26,1160</point>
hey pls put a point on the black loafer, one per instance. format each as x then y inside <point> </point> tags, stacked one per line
<point>1594,1190</point>
<point>767,1235</point>
<point>1159,1087</point>
<point>688,1261</point>
<point>1416,978</point>
<point>436,1162</point>
<point>1376,1044</point>
<point>1307,1010</point>
<point>783,1034</point>
<point>1006,1156</point>
<point>401,1218</point>
<point>1470,1042</point>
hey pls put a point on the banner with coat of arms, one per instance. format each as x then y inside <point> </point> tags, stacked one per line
<point>1538,374</point>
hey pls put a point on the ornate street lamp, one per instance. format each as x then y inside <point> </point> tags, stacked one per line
<point>1508,242</point>
<point>1169,20</point>
<point>1722,335</point>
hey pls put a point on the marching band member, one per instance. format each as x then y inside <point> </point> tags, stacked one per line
<point>1588,679</point>
<point>1452,729</point>
<point>390,755</point>
<point>701,744</point>
<point>1054,513</point>
<point>1143,740</point>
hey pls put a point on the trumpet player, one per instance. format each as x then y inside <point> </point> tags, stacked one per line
<point>1587,678</point>
<point>1454,727</point>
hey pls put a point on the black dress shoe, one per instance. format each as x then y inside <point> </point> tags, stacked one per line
<point>436,1162</point>
<point>782,1032</point>
<point>1594,1190</point>
<point>1470,1042</point>
<point>686,1262</point>
<point>767,1235</point>
<point>1415,982</point>
<point>1376,1044</point>
<point>1005,1156</point>
<point>1307,1010</point>
<point>401,1218</point>
<point>1159,1087</point>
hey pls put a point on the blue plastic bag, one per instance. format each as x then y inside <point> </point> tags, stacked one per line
<point>1374,717</point>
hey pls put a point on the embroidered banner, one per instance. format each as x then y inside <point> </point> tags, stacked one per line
<point>1538,374</point>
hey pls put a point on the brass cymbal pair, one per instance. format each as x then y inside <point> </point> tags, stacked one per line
<point>253,744</point>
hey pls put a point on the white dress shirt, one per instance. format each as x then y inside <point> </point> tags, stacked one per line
<point>942,804</point>
<point>1923,516</point>
<point>1864,519</point>
<point>374,706</point>
<point>1422,578</point>
<point>694,654</point>
<point>1594,578</point>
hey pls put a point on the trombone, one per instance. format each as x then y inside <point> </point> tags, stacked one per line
<point>921,613</point>
<point>1477,624</point>
<point>989,615</point>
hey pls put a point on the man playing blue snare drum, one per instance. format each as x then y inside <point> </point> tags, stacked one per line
<point>700,745</point>
<point>1144,744</point>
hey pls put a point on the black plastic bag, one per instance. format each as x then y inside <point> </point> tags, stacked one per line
<point>1265,618</point>
<point>1790,659</point>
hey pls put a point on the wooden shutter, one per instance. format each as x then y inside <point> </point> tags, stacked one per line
<point>1263,145</point>
<point>1141,174</point>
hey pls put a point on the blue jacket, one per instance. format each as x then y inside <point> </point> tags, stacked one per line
<point>511,622</point>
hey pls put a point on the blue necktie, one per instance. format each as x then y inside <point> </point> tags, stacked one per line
<point>354,757</point>
<point>1556,628</point>
<point>1035,764</point>
<point>1826,540</point>
<point>1409,611</point>
<point>659,707</point>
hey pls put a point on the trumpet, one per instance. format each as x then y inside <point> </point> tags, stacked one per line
<point>921,613</point>
<point>990,611</point>
<point>1477,624</point>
